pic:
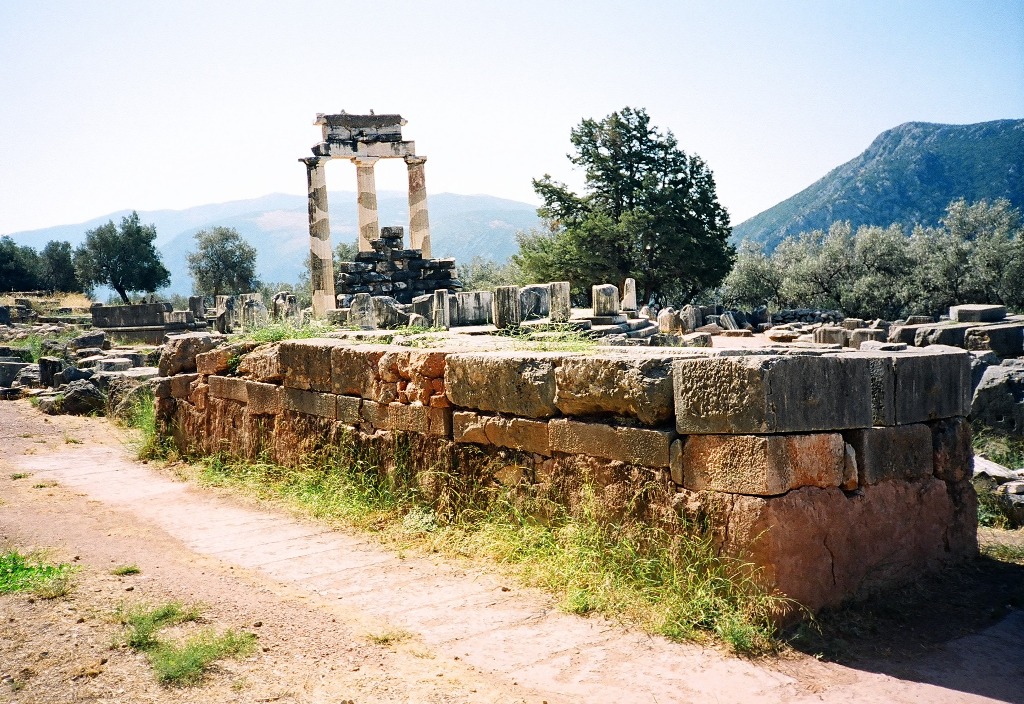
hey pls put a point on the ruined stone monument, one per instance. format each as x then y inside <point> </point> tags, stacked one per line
<point>362,139</point>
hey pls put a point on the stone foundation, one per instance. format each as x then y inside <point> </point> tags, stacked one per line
<point>836,472</point>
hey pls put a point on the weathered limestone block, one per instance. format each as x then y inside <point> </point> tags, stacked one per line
<point>514,433</point>
<point>262,364</point>
<point>355,371</point>
<point>227,387</point>
<point>861,335</point>
<point>472,308</point>
<point>180,351</point>
<point>264,399</point>
<point>625,386</point>
<point>852,323</point>
<point>312,403</point>
<point>361,313</point>
<point>534,301</point>
<point>830,335</point>
<point>669,322</point>
<point>951,334</point>
<point>307,364</point>
<point>762,465</point>
<point>1005,340</point>
<point>690,318</point>
<point>49,367</point>
<point>349,410</point>
<point>629,295</point>
<point>977,313</point>
<point>506,313</point>
<point>899,452</point>
<point>884,536</point>
<point>728,321</point>
<point>517,383</point>
<point>408,418</point>
<point>999,399</point>
<point>386,313</point>
<point>560,302</point>
<point>606,299</point>
<point>907,333</point>
<point>219,360</point>
<point>931,383</point>
<point>759,394</point>
<point>952,454</point>
<point>639,446</point>
<point>440,312</point>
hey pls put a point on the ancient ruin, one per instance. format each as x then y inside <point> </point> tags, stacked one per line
<point>363,139</point>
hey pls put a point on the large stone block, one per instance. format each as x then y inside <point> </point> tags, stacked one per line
<point>859,336</point>
<point>227,387</point>
<point>931,383</point>
<point>758,394</point>
<point>999,399</point>
<point>951,334</point>
<point>355,370</point>
<point>1006,340</point>
<point>517,383</point>
<point>312,403</point>
<point>560,309</point>
<point>180,351</point>
<point>830,335</point>
<point>977,313</point>
<point>640,388</point>
<point>514,433</point>
<point>606,299</point>
<point>907,333</point>
<point>262,364</point>
<point>640,446</point>
<point>408,418</point>
<point>900,452</point>
<point>762,465</point>
<point>471,308</point>
<point>307,364</point>
<point>264,399</point>
<point>505,310</point>
<point>952,454</point>
<point>222,359</point>
<point>350,410</point>
<point>821,546</point>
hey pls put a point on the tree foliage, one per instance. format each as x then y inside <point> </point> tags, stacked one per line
<point>121,257</point>
<point>976,255</point>
<point>223,263</point>
<point>649,211</point>
<point>19,266</point>
<point>57,268</point>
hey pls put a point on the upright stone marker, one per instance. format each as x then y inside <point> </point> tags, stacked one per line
<point>606,299</point>
<point>439,311</point>
<point>560,305</point>
<point>361,313</point>
<point>691,318</point>
<point>506,307</point>
<point>629,295</point>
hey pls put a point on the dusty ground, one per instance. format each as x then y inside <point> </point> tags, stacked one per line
<point>456,633</point>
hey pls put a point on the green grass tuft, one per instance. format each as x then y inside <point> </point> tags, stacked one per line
<point>1004,552</point>
<point>24,573</point>
<point>143,623</point>
<point>185,665</point>
<point>125,570</point>
<point>275,332</point>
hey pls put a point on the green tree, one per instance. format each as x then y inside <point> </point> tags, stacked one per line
<point>56,267</point>
<point>649,211</point>
<point>223,263</point>
<point>19,266</point>
<point>121,257</point>
<point>756,279</point>
<point>483,274</point>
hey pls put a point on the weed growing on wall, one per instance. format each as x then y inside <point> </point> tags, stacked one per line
<point>142,417</point>
<point>668,579</point>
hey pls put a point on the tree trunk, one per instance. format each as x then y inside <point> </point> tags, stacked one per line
<point>124,295</point>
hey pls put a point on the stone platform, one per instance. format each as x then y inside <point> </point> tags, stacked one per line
<point>837,472</point>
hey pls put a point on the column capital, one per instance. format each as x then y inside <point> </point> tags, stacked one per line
<point>413,160</point>
<point>312,162</point>
<point>365,160</point>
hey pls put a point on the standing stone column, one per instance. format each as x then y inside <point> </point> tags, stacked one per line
<point>369,227</point>
<point>321,261</point>
<point>419,222</point>
<point>440,313</point>
<point>606,299</point>
<point>629,295</point>
<point>505,307</point>
<point>560,308</point>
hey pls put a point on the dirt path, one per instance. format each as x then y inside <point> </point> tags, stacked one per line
<point>454,634</point>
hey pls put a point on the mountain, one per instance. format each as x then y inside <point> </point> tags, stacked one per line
<point>461,226</point>
<point>908,175</point>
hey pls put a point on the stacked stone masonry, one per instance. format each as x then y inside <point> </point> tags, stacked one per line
<point>837,472</point>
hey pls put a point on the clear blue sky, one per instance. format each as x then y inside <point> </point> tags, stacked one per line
<point>148,105</point>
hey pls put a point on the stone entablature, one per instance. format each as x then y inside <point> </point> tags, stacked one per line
<point>836,472</point>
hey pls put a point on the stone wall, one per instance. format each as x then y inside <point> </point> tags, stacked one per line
<point>390,270</point>
<point>837,472</point>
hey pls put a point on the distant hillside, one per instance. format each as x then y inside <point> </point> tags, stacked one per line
<point>909,174</point>
<point>460,226</point>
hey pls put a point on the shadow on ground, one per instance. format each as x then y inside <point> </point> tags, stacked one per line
<point>949,629</point>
